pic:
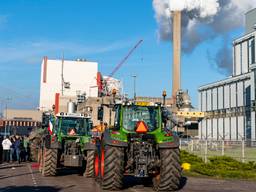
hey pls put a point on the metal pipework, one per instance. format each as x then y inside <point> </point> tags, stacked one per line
<point>71,107</point>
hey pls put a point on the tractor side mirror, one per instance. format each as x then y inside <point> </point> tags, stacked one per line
<point>100,113</point>
<point>165,115</point>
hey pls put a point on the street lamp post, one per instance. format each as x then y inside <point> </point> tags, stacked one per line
<point>134,87</point>
<point>5,127</point>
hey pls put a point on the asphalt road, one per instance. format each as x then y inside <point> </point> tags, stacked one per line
<point>25,177</point>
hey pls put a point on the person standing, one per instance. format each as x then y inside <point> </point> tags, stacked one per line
<point>25,145</point>
<point>17,148</point>
<point>12,149</point>
<point>6,143</point>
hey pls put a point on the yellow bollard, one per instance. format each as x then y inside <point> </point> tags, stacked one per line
<point>186,166</point>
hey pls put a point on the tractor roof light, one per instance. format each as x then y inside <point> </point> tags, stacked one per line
<point>141,127</point>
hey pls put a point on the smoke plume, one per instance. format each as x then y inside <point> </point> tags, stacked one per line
<point>202,20</point>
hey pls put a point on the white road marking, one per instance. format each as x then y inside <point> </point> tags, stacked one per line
<point>32,175</point>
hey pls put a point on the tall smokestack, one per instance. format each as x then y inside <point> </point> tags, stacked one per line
<point>176,53</point>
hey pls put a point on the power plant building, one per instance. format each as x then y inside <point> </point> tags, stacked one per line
<point>66,78</point>
<point>230,103</point>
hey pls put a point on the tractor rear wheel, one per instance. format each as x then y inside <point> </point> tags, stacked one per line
<point>50,161</point>
<point>89,170</point>
<point>112,168</point>
<point>170,171</point>
<point>34,150</point>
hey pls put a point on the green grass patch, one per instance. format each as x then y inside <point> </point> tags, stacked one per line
<point>219,167</point>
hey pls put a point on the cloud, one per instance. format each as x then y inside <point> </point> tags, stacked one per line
<point>33,51</point>
<point>15,55</point>
<point>203,21</point>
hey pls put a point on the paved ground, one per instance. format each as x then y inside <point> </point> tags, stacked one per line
<point>25,177</point>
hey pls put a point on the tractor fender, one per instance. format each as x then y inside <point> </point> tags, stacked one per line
<point>170,145</point>
<point>89,146</point>
<point>107,140</point>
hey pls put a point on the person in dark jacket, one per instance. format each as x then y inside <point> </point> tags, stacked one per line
<point>17,148</point>
<point>12,150</point>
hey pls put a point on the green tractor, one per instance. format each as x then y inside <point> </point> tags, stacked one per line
<point>140,144</point>
<point>67,144</point>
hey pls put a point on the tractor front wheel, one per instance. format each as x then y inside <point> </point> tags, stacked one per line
<point>89,170</point>
<point>112,168</point>
<point>50,161</point>
<point>170,171</point>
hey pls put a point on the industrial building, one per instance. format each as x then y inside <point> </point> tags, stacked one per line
<point>66,78</point>
<point>20,122</point>
<point>230,103</point>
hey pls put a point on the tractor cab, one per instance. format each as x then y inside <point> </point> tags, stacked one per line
<point>67,143</point>
<point>135,117</point>
<point>73,124</point>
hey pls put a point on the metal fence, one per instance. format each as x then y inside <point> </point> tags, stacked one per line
<point>240,150</point>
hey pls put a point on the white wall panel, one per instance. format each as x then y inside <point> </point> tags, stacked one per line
<point>237,59</point>
<point>200,129</point>
<point>253,121</point>
<point>227,128</point>
<point>226,97</point>
<point>240,127</point>
<point>215,128</point>
<point>233,128</point>
<point>240,94</point>
<point>200,101</point>
<point>209,100</point>
<point>214,99</point>
<point>202,133</point>
<point>204,101</point>
<point>245,57</point>
<point>220,98</point>
<point>209,128</point>
<point>80,75</point>
<point>233,95</point>
<point>220,127</point>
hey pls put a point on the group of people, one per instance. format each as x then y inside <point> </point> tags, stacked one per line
<point>15,148</point>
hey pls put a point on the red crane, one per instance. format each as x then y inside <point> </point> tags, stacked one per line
<point>124,60</point>
<point>101,83</point>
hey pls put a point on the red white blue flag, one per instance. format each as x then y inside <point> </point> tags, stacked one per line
<point>50,127</point>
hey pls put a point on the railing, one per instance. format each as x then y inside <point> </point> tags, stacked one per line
<point>240,150</point>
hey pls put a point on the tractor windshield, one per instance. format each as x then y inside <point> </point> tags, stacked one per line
<point>133,114</point>
<point>74,126</point>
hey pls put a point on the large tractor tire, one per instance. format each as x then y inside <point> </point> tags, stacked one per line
<point>170,171</point>
<point>50,161</point>
<point>112,168</point>
<point>89,170</point>
<point>34,150</point>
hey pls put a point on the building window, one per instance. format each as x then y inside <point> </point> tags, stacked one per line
<point>251,51</point>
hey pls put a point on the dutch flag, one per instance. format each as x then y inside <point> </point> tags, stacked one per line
<point>50,127</point>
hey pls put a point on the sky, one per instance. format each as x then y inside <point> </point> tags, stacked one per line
<point>97,30</point>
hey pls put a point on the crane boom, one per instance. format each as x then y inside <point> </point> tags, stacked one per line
<point>124,59</point>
